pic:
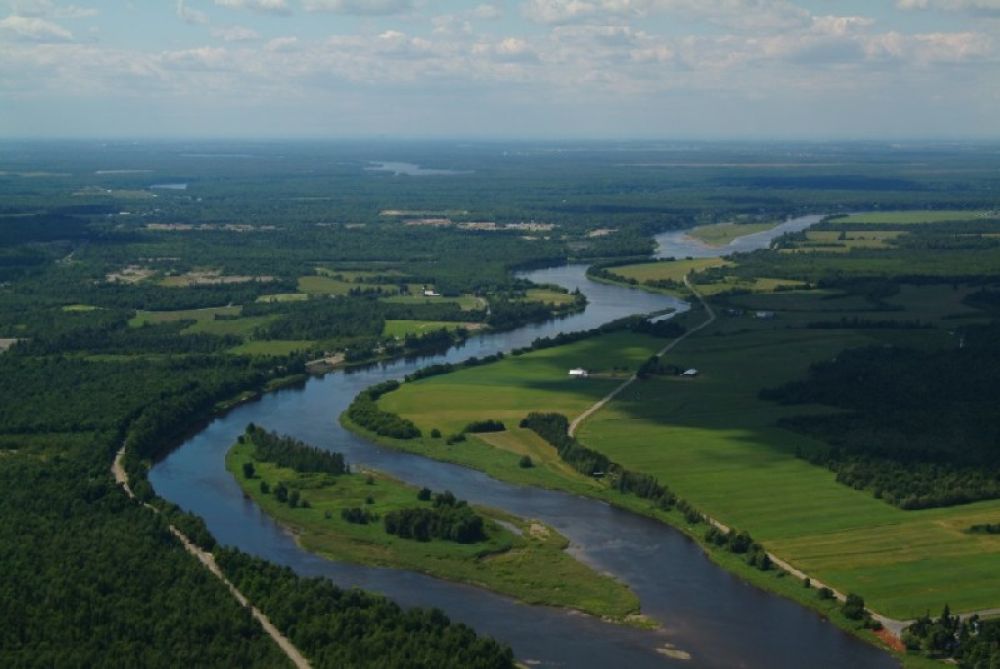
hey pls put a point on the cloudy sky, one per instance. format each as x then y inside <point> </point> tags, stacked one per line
<point>501,68</point>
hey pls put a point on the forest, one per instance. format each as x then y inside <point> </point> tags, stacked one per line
<point>919,428</point>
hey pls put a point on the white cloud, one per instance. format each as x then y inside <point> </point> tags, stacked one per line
<point>49,9</point>
<point>236,34</point>
<point>34,29</point>
<point>743,15</point>
<point>281,44</point>
<point>188,15</point>
<point>265,6</point>
<point>360,7</point>
<point>988,7</point>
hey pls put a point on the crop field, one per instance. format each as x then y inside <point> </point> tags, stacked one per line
<point>325,285</point>
<point>674,270</point>
<point>830,241</point>
<point>720,234</point>
<point>916,217</point>
<point>714,443</point>
<point>276,347</point>
<point>512,388</point>
<point>548,296</point>
<point>395,328</point>
<point>466,302</point>
<point>529,562</point>
<point>241,327</point>
<point>200,315</point>
<point>283,297</point>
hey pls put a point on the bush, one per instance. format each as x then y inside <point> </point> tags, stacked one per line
<point>525,462</point>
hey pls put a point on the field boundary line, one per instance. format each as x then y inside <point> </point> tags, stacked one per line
<point>208,561</point>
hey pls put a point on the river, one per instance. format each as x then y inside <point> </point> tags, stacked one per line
<point>704,611</point>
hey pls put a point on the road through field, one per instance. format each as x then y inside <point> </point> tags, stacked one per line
<point>663,351</point>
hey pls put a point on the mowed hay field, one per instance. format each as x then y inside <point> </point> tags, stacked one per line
<point>518,385</point>
<point>714,443</point>
<point>917,217</point>
<point>719,234</point>
<point>672,270</point>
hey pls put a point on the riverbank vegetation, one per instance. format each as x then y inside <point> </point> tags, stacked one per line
<point>370,518</point>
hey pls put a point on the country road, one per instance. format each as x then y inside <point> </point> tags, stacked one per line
<point>208,561</point>
<point>663,351</point>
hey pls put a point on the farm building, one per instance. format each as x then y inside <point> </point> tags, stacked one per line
<point>690,372</point>
<point>579,373</point>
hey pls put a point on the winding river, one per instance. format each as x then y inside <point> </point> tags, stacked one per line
<point>704,611</point>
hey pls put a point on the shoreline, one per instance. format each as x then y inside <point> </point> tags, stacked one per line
<point>778,582</point>
<point>299,533</point>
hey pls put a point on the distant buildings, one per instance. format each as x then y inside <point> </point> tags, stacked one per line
<point>764,315</point>
<point>579,373</point>
<point>690,373</point>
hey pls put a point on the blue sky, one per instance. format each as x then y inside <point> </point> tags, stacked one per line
<point>685,69</point>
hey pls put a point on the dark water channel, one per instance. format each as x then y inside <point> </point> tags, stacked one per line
<point>704,611</point>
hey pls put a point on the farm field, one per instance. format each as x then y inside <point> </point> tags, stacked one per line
<point>208,314</point>
<point>401,328</point>
<point>548,296</point>
<point>272,347</point>
<point>325,285</point>
<point>713,442</point>
<point>916,217</point>
<point>831,241</point>
<point>720,234</point>
<point>512,388</point>
<point>670,270</point>
<point>521,558</point>
<point>465,302</point>
<point>716,445</point>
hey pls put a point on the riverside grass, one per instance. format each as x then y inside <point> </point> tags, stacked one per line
<point>720,234</point>
<point>533,567</point>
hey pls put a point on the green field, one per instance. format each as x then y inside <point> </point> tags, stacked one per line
<point>520,558</point>
<point>548,296</point>
<point>514,387</point>
<point>674,270</point>
<point>241,327</point>
<point>714,443</point>
<point>720,234</point>
<point>324,285</point>
<point>278,347</point>
<point>924,216</point>
<point>200,315</point>
<point>283,297</point>
<point>400,329</point>
<point>465,302</point>
<point>830,241</point>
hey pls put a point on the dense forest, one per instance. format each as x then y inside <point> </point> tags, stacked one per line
<point>349,628</point>
<point>919,428</point>
<point>292,453</point>
<point>448,519</point>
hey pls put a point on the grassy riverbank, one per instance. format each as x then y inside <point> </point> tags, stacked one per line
<point>520,558</point>
<point>720,234</point>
